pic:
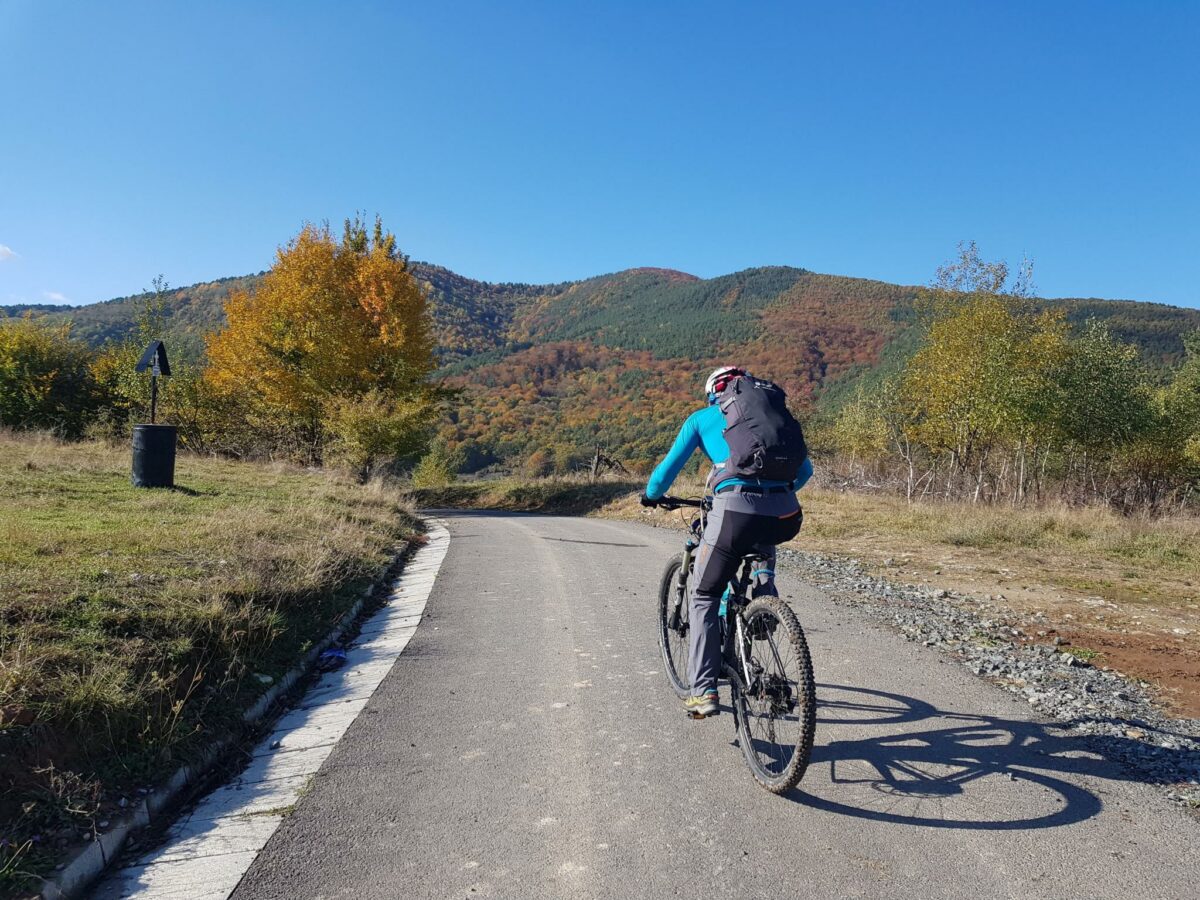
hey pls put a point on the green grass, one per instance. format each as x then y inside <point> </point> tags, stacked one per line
<point>133,622</point>
<point>1083,654</point>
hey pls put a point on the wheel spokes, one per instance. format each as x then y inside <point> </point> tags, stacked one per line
<point>774,728</point>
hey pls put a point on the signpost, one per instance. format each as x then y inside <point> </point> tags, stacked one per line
<point>154,359</point>
<point>154,444</point>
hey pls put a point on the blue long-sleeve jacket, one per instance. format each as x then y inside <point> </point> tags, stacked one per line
<point>705,430</point>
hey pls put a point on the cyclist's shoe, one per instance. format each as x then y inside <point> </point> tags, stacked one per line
<point>707,704</point>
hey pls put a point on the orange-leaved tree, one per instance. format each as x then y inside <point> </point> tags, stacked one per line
<point>330,356</point>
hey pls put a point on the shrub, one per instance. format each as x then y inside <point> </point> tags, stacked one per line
<point>366,429</point>
<point>437,468</point>
<point>537,464</point>
<point>46,379</point>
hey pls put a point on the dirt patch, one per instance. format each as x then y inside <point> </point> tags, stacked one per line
<point>1130,635</point>
<point>1170,664</point>
<point>1127,634</point>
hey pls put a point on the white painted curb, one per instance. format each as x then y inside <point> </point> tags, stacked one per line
<point>206,854</point>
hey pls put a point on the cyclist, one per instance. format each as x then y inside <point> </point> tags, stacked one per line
<point>748,515</point>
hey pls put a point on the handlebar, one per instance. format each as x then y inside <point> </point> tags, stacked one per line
<point>669,503</point>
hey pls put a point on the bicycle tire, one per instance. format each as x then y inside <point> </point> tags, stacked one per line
<point>672,644</point>
<point>781,779</point>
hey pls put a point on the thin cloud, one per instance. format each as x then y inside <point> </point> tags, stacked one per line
<point>7,253</point>
<point>55,297</point>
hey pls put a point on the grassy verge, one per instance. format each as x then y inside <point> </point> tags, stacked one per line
<point>552,495</point>
<point>136,625</point>
<point>1122,592</point>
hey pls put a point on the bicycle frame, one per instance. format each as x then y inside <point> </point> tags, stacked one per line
<point>734,665</point>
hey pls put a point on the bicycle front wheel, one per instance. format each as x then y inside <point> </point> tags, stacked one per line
<point>777,713</point>
<point>673,627</point>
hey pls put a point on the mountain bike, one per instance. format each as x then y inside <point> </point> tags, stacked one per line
<point>765,659</point>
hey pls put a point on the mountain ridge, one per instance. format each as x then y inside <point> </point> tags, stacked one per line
<point>616,359</point>
<point>470,308</point>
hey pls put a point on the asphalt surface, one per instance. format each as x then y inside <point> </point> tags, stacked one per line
<point>526,744</point>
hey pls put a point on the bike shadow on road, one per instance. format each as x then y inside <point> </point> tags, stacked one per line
<point>963,771</point>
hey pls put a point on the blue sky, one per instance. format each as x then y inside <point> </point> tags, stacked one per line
<point>549,141</point>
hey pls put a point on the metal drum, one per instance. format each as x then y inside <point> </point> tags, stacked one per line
<point>153,456</point>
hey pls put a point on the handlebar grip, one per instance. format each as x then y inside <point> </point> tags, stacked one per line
<point>666,502</point>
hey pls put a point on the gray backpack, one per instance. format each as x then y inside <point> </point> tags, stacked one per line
<point>765,440</point>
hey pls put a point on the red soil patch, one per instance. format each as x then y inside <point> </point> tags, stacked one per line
<point>1169,663</point>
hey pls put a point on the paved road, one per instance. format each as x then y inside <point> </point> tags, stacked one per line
<point>526,745</point>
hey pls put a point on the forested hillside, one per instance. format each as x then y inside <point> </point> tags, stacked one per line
<point>1156,329</point>
<point>191,312</point>
<point>618,359</point>
<point>17,310</point>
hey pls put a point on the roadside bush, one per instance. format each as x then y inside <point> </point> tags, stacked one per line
<point>363,431</point>
<point>183,398</point>
<point>476,455</point>
<point>1002,403</point>
<point>437,468</point>
<point>46,381</point>
<point>566,459</point>
<point>537,464</point>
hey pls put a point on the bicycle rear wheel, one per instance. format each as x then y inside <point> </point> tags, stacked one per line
<point>777,714</point>
<point>673,628</point>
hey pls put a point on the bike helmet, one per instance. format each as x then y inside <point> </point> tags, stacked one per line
<point>720,377</point>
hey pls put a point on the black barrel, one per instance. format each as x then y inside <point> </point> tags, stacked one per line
<point>153,456</point>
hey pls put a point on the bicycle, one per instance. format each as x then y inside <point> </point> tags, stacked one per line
<point>771,701</point>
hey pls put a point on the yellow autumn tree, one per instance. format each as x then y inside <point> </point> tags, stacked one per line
<point>331,355</point>
<point>983,386</point>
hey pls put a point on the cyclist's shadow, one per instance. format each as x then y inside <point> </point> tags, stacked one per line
<point>969,772</point>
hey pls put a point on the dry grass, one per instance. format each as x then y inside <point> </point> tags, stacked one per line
<point>1089,551</point>
<point>136,625</point>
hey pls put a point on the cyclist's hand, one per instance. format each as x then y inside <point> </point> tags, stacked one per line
<point>647,501</point>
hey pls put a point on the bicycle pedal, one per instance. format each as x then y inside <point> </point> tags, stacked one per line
<point>697,715</point>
